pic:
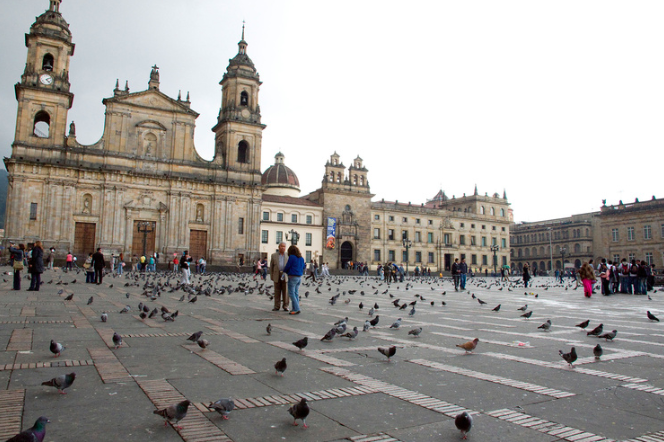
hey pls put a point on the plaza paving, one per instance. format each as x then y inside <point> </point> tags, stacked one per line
<point>514,384</point>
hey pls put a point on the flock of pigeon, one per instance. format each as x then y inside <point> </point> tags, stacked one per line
<point>155,284</point>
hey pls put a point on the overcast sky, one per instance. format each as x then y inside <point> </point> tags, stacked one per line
<point>560,104</point>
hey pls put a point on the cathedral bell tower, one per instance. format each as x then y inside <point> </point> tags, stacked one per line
<point>239,132</point>
<point>43,93</point>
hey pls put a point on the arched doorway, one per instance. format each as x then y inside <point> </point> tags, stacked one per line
<point>346,253</point>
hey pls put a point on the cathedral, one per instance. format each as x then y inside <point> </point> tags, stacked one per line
<point>143,188</point>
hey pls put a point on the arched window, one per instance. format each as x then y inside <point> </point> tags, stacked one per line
<point>47,62</point>
<point>244,98</point>
<point>355,179</point>
<point>534,251</point>
<point>527,252</point>
<point>338,177</point>
<point>243,152</point>
<point>587,233</point>
<point>492,211</point>
<point>42,124</point>
<point>577,248</point>
<point>541,251</point>
<point>361,180</point>
<point>520,254</point>
<point>502,212</point>
<point>482,210</point>
<point>331,177</point>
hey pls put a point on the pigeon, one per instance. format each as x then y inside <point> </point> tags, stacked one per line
<point>374,321</point>
<point>396,324</point>
<point>280,366</point>
<point>524,308</point>
<point>153,313</point>
<point>34,434</point>
<point>411,312</point>
<point>104,317</point>
<point>223,406</point>
<point>568,357</point>
<point>117,340</point>
<point>361,306</point>
<point>527,315</point>
<point>480,301</point>
<point>143,315</point>
<point>597,351</point>
<point>127,309</point>
<point>61,382</point>
<point>195,337</point>
<point>415,332</point>
<point>388,351</point>
<point>371,311</point>
<point>56,348</point>
<point>301,343</point>
<point>464,422</point>
<point>92,298</point>
<point>194,299</point>
<point>609,335</point>
<point>329,335</point>
<point>583,324</point>
<point>546,326</point>
<point>70,297</point>
<point>596,331</point>
<point>496,308</point>
<point>268,329</point>
<point>203,343</point>
<point>175,413</point>
<point>469,346</point>
<point>367,325</point>
<point>182,298</point>
<point>652,317</point>
<point>351,334</point>
<point>341,321</point>
<point>341,328</point>
<point>300,411</point>
<point>376,306</point>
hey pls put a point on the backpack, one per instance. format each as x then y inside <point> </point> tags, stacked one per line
<point>633,270</point>
<point>624,268</point>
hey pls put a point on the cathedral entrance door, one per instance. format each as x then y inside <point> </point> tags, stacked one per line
<point>198,244</point>
<point>448,262</point>
<point>84,239</point>
<point>346,253</point>
<point>137,240</point>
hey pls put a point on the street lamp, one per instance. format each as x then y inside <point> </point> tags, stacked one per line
<point>294,237</point>
<point>550,229</point>
<point>145,227</point>
<point>407,245</point>
<point>563,250</point>
<point>494,249</point>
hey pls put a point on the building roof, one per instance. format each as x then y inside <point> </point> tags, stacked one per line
<point>280,175</point>
<point>289,200</point>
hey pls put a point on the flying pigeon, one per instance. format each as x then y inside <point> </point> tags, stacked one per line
<point>300,411</point>
<point>301,343</point>
<point>597,351</point>
<point>568,357</point>
<point>583,324</point>
<point>175,413</point>
<point>117,340</point>
<point>280,366</point>
<point>195,337</point>
<point>609,335</point>
<point>56,348</point>
<point>596,331</point>
<point>388,351</point>
<point>351,334</point>
<point>396,324</point>
<point>104,317</point>
<point>61,382</point>
<point>415,332</point>
<point>546,326</point>
<point>652,317</point>
<point>223,406</point>
<point>496,308</point>
<point>469,346</point>
<point>464,422</point>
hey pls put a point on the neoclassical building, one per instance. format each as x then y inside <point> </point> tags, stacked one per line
<point>143,181</point>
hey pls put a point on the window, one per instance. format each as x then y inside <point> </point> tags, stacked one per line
<point>404,256</point>
<point>494,241</point>
<point>430,258</point>
<point>280,217</point>
<point>493,227</point>
<point>280,237</point>
<point>244,98</point>
<point>630,234</point>
<point>240,226</point>
<point>504,259</point>
<point>266,216</point>
<point>307,256</point>
<point>462,225</point>
<point>616,259</point>
<point>446,238</point>
<point>33,211</point>
<point>376,233</point>
<point>404,220</point>
<point>649,258</point>
<point>662,230</point>
<point>484,241</point>
<point>502,229</point>
<point>418,256</point>
<point>47,62</point>
<point>485,260</point>
<point>492,211</point>
<point>430,238</point>
<point>41,124</point>
<point>483,226</point>
<point>473,240</point>
<point>390,234</point>
<point>391,218</point>
<point>503,242</point>
<point>391,256</point>
<point>310,219</point>
<point>418,236</point>
<point>376,217</point>
<point>293,218</point>
<point>376,255</point>
<point>430,222</point>
<point>462,240</point>
<point>502,212</point>
<point>481,210</point>
<point>243,152</point>
<point>614,235</point>
<point>631,257</point>
<point>404,234</point>
<point>307,239</point>
<point>472,226</point>
<point>264,236</point>
<point>417,221</point>
<point>647,233</point>
<point>473,259</point>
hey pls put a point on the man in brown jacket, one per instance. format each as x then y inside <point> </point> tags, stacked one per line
<point>277,263</point>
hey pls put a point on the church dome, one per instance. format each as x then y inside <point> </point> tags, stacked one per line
<point>279,179</point>
<point>52,24</point>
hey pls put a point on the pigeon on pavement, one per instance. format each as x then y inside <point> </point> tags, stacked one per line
<point>34,434</point>
<point>329,335</point>
<point>464,422</point>
<point>583,324</point>
<point>415,332</point>
<point>301,343</point>
<point>569,357</point>
<point>195,337</point>
<point>127,309</point>
<point>374,321</point>
<point>396,324</point>
<point>56,348</point>
<point>597,351</point>
<point>652,317</point>
<point>203,343</point>
<point>268,329</point>
<point>61,382</point>
<point>527,315</point>
<point>117,340</point>
<point>300,411</point>
<point>104,317</point>
<point>496,308</point>
<point>609,335</point>
<point>91,300</point>
<point>469,346</point>
<point>280,366</point>
<point>596,331</point>
<point>388,351</point>
<point>351,334</point>
<point>174,413</point>
<point>223,406</point>
<point>546,326</point>
<point>524,308</point>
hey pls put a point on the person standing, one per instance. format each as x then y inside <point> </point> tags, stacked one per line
<point>312,272</point>
<point>120,264</point>
<point>51,258</point>
<point>89,270</point>
<point>463,273</point>
<point>278,261</point>
<point>587,275</point>
<point>69,261</point>
<point>175,264</point>
<point>605,275</point>
<point>294,269</point>
<point>526,275</point>
<point>18,254</point>
<point>98,264</point>
<point>184,267</point>
<point>455,274</point>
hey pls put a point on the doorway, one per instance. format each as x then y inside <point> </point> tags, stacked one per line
<point>346,253</point>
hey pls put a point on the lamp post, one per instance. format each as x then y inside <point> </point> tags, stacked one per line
<point>563,250</point>
<point>550,229</point>
<point>294,237</point>
<point>145,227</point>
<point>494,249</point>
<point>407,245</point>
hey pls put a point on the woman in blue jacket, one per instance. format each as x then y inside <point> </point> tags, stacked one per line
<point>294,269</point>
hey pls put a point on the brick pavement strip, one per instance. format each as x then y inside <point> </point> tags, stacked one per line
<point>20,340</point>
<point>28,311</point>
<point>11,411</point>
<point>47,364</point>
<point>108,366</point>
<point>214,358</point>
<point>378,437</point>
<point>195,426</point>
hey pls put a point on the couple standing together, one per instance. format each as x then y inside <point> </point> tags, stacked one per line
<point>293,265</point>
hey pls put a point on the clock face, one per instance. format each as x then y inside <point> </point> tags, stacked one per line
<point>46,79</point>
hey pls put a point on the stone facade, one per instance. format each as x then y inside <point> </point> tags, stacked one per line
<point>144,172</point>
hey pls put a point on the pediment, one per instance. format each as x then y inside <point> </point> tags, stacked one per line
<point>152,99</point>
<point>151,124</point>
